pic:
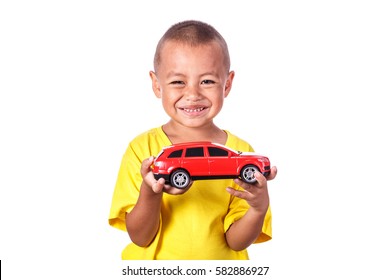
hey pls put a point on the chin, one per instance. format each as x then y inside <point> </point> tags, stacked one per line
<point>196,124</point>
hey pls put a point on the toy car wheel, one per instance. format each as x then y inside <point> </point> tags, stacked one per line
<point>248,173</point>
<point>180,179</point>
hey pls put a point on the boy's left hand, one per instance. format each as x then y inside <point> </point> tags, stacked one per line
<point>255,194</point>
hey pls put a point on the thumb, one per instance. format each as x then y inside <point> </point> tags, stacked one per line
<point>145,166</point>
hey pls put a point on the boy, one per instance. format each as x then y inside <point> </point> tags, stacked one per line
<point>210,219</point>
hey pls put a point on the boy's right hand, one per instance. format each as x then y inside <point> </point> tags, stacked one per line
<point>157,186</point>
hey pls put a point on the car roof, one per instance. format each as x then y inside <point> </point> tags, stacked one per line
<point>197,144</point>
<point>194,143</point>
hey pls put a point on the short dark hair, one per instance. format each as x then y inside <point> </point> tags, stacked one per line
<point>194,33</point>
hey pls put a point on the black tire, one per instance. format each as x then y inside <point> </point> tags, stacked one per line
<point>247,173</point>
<point>180,179</point>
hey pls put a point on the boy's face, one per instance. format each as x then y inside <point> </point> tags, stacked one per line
<point>192,82</point>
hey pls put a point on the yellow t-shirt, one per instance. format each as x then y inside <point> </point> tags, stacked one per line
<point>192,225</point>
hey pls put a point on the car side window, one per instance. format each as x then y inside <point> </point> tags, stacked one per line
<point>175,154</point>
<point>217,152</point>
<point>194,152</point>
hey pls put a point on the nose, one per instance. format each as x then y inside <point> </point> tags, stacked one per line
<point>192,93</point>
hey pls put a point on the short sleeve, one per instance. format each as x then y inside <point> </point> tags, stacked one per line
<point>238,208</point>
<point>127,187</point>
<point>126,190</point>
<point>267,228</point>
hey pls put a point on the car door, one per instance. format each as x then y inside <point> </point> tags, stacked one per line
<point>220,161</point>
<point>195,163</point>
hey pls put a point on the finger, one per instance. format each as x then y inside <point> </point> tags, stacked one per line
<point>145,166</point>
<point>255,187</point>
<point>245,186</point>
<point>175,191</point>
<point>260,179</point>
<point>273,173</point>
<point>158,186</point>
<point>240,194</point>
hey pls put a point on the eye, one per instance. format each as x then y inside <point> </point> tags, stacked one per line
<point>177,83</point>
<point>207,82</point>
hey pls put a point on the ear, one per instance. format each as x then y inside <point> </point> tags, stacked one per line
<point>155,84</point>
<point>229,83</point>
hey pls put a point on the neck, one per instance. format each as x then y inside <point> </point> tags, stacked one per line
<point>178,133</point>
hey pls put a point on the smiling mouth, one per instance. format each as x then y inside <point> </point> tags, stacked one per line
<point>193,110</point>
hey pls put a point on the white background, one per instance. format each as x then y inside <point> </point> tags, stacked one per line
<point>310,92</point>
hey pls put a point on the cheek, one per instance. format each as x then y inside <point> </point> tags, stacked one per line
<point>218,101</point>
<point>168,101</point>
<point>170,97</point>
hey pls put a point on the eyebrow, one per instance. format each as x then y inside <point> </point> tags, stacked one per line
<point>172,73</point>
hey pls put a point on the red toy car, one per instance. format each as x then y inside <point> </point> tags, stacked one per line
<point>180,163</point>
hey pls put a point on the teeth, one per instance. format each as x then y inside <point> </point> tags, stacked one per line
<point>193,110</point>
